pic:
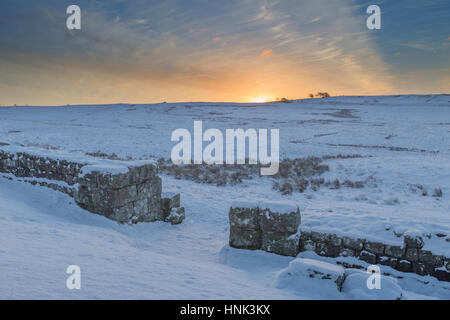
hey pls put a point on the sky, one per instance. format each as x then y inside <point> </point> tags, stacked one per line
<point>136,51</point>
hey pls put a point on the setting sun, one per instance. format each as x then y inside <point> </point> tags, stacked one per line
<point>261,99</point>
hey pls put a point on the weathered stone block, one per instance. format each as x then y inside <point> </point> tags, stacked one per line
<point>285,244</point>
<point>394,251</point>
<point>421,268</point>
<point>387,261</point>
<point>245,238</point>
<point>327,250</point>
<point>273,221</point>
<point>175,200</point>
<point>304,236</point>
<point>374,247</point>
<point>169,201</point>
<point>117,197</point>
<point>320,237</point>
<point>141,207</point>
<point>356,244</point>
<point>368,257</point>
<point>176,216</point>
<point>442,275</point>
<point>429,258</point>
<point>308,245</point>
<point>345,252</point>
<point>122,196</point>
<point>412,254</point>
<point>122,214</point>
<point>335,240</point>
<point>404,266</point>
<point>244,218</point>
<point>413,241</point>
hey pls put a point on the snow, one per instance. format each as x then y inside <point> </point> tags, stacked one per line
<point>301,265</point>
<point>281,207</point>
<point>403,140</point>
<point>318,277</point>
<point>243,204</point>
<point>104,168</point>
<point>355,286</point>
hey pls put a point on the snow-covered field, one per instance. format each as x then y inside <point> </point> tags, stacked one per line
<point>404,155</point>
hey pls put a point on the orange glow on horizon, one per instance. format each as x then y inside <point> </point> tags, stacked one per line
<point>261,99</point>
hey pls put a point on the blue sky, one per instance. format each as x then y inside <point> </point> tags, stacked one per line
<point>248,50</point>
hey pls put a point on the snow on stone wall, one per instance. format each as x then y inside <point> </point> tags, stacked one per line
<point>274,229</point>
<point>127,194</point>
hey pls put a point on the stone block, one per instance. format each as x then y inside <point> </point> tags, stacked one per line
<point>176,216</point>
<point>429,258</point>
<point>169,201</point>
<point>123,214</point>
<point>244,217</point>
<point>345,252</point>
<point>422,269</point>
<point>320,237</point>
<point>356,244</point>
<point>277,221</point>
<point>284,244</point>
<point>368,257</point>
<point>404,266</point>
<point>335,240</point>
<point>394,251</point>
<point>308,245</point>
<point>411,241</point>
<point>245,239</point>
<point>442,275</point>
<point>387,261</point>
<point>374,247</point>
<point>327,250</point>
<point>412,254</point>
<point>304,236</point>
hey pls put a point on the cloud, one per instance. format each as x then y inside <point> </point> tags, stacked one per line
<point>267,53</point>
<point>420,46</point>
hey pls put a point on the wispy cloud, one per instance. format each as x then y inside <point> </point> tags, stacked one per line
<point>267,53</point>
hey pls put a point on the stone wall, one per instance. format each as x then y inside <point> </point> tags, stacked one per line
<point>22,164</point>
<point>256,227</point>
<point>133,196</point>
<point>407,258</point>
<point>265,226</point>
<point>129,195</point>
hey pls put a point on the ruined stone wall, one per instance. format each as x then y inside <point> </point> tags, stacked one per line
<point>22,165</point>
<point>254,227</point>
<point>130,196</point>
<point>407,258</point>
<point>266,227</point>
<point>134,196</point>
